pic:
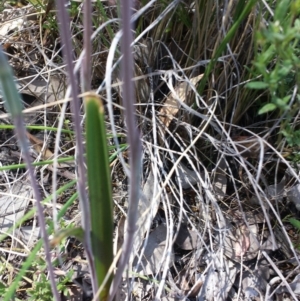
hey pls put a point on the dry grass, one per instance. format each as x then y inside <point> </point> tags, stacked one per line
<point>236,203</point>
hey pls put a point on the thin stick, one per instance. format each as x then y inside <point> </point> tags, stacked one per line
<point>133,138</point>
<point>63,18</point>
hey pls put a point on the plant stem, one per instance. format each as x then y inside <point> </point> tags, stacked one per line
<point>133,138</point>
<point>63,18</point>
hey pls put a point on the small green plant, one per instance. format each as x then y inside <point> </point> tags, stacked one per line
<point>41,289</point>
<point>291,135</point>
<point>48,17</point>
<point>62,285</point>
<point>294,157</point>
<point>277,62</point>
<point>4,289</point>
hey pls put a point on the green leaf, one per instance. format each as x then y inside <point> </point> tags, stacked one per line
<point>64,233</point>
<point>8,88</point>
<point>267,108</point>
<point>281,103</point>
<point>257,85</point>
<point>286,99</point>
<point>2,288</point>
<point>295,223</point>
<point>285,69</point>
<point>100,194</point>
<point>281,10</point>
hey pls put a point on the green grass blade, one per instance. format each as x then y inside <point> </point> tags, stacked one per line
<point>41,163</point>
<point>33,253</point>
<point>100,193</point>
<point>14,105</point>
<point>36,127</point>
<point>247,9</point>
<point>8,88</point>
<point>25,267</point>
<point>47,128</point>
<point>295,223</point>
<point>32,211</point>
<point>61,160</point>
<point>76,232</point>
